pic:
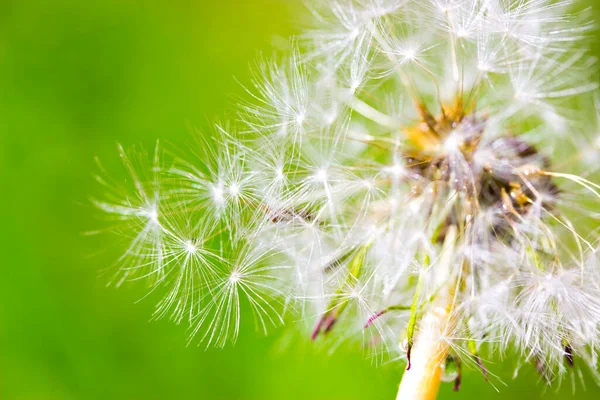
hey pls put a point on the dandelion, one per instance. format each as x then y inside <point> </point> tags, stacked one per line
<point>417,174</point>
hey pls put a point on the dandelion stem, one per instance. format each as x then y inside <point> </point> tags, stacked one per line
<point>423,379</point>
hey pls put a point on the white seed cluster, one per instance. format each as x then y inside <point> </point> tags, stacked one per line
<point>400,153</point>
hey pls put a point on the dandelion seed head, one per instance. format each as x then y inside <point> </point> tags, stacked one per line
<point>403,151</point>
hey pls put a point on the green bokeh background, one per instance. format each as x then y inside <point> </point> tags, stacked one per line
<point>75,78</point>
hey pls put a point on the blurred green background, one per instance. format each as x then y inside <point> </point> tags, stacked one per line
<point>75,78</point>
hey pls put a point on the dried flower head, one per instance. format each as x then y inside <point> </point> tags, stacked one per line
<point>417,174</point>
